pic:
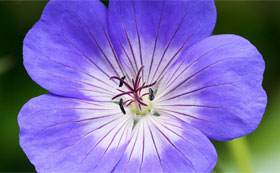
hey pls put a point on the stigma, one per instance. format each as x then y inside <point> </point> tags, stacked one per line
<point>137,95</point>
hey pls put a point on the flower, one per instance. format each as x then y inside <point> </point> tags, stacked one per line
<point>140,86</point>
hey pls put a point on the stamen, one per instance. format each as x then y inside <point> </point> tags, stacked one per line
<point>151,94</point>
<point>137,78</point>
<point>125,83</point>
<point>121,83</point>
<point>144,94</point>
<point>121,106</point>
<point>134,91</point>
<point>127,102</point>
<point>121,94</point>
<point>146,86</point>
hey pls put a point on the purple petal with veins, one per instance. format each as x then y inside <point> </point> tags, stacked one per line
<point>140,86</point>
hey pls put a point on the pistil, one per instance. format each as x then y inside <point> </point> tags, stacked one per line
<point>134,91</point>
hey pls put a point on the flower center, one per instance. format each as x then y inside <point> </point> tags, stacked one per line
<point>135,110</point>
<point>138,97</point>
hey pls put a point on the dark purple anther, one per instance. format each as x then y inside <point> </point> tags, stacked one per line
<point>151,94</point>
<point>121,83</point>
<point>121,106</point>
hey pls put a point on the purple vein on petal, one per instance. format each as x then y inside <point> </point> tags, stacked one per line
<point>111,46</point>
<point>156,39</point>
<point>95,102</point>
<point>125,130</point>
<point>193,75</point>
<point>113,50</point>
<point>103,53</point>
<point>82,82</point>
<point>136,138</point>
<point>79,121</point>
<point>192,63</point>
<point>193,105</point>
<point>178,51</point>
<point>176,117</point>
<point>80,71</point>
<point>131,48</point>
<point>84,135</point>
<point>143,145</point>
<point>186,158</point>
<point>85,56</point>
<point>199,89</point>
<point>121,127</point>
<point>156,148</point>
<point>183,139</point>
<point>99,47</point>
<point>127,56</point>
<point>165,122</point>
<point>62,109</point>
<point>93,91</point>
<point>139,38</point>
<point>169,43</point>
<point>187,115</point>
<point>127,38</point>
<point>88,153</point>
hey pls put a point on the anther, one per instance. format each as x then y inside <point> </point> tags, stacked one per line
<point>121,106</point>
<point>121,83</point>
<point>151,94</point>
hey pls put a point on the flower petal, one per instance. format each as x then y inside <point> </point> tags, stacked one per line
<point>68,51</point>
<point>153,33</point>
<point>216,85</point>
<point>61,134</point>
<point>162,144</point>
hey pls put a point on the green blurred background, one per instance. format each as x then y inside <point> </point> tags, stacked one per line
<point>258,21</point>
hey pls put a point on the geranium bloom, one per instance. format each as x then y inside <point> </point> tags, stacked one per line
<point>140,86</point>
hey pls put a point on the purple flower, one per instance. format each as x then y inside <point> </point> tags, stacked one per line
<point>140,86</point>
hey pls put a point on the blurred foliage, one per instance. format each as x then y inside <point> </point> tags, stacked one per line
<point>258,21</point>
